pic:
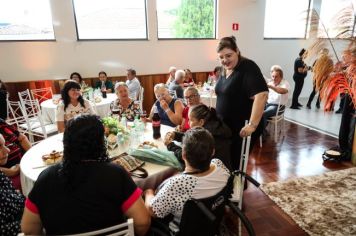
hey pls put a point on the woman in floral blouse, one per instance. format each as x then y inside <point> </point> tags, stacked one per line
<point>11,202</point>
<point>124,105</point>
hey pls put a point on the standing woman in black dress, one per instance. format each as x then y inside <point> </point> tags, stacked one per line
<point>241,95</point>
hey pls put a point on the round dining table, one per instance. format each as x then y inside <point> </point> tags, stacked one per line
<point>102,108</point>
<point>32,165</point>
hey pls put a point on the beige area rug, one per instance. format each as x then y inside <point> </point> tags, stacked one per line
<point>320,205</point>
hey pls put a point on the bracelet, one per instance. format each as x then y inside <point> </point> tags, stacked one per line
<point>252,125</point>
<point>167,110</point>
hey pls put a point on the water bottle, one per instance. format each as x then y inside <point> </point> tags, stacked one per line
<point>140,130</point>
<point>103,89</point>
<point>156,124</point>
<point>124,120</point>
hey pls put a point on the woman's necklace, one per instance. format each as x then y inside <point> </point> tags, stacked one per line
<point>228,73</point>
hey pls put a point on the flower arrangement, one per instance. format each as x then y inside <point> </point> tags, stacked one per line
<point>113,126</point>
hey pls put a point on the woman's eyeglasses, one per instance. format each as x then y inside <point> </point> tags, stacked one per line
<point>190,97</point>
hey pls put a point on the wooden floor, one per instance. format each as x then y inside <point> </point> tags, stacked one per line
<point>298,154</point>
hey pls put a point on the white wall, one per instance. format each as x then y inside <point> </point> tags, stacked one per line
<point>22,61</point>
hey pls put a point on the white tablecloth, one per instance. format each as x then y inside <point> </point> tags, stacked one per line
<point>102,108</point>
<point>208,98</point>
<point>32,165</point>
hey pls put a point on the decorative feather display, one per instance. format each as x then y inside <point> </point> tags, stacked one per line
<point>330,78</point>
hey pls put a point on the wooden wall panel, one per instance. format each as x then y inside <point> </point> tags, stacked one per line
<point>147,82</point>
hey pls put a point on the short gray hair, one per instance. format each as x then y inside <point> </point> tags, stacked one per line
<point>277,68</point>
<point>198,146</point>
<point>160,86</point>
<point>179,73</point>
<point>192,89</point>
<point>118,84</point>
<point>172,68</point>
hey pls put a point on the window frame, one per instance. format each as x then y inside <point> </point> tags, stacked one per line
<point>111,39</point>
<point>215,26</point>
<point>352,33</point>
<point>307,26</point>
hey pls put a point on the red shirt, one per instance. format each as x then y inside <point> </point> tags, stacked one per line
<point>11,136</point>
<point>186,125</point>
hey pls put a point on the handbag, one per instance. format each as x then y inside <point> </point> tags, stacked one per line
<point>131,165</point>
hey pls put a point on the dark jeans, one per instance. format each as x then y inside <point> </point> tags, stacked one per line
<point>347,126</point>
<point>270,110</point>
<point>311,97</point>
<point>299,82</point>
<point>342,101</point>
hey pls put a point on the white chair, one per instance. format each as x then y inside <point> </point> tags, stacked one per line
<point>239,180</point>
<point>34,122</point>
<point>140,97</point>
<point>15,116</point>
<point>278,121</point>
<point>42,94</point>
<point>25,95</point>
<point>124,229</point>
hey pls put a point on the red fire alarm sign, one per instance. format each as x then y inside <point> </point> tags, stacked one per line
<point>235,26</point>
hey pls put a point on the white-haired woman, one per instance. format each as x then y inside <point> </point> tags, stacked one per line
<point>124,105</point>
<point>176,86</point>
<point>169,109</point>
<point>172,71</point>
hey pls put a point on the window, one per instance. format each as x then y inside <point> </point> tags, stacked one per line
<point>337,16</point>
<point>26,20</point>
<point>286,18</point>
<point>186,19</point>
<point>110,19</point>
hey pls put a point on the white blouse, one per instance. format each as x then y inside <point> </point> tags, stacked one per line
<point>73,111</point>
<point>176,190</point>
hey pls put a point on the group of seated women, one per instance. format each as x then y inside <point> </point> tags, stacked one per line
<point>87,192</point>
<point>68,197</point>
<point>73,103</point>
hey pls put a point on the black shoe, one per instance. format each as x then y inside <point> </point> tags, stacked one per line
<point>338,111</point>
<point>295,107</point>
<point>300,105</point>
<point>308,106</point>
<point>318,106</point>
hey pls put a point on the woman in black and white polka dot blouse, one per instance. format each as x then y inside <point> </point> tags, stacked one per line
<point>11,202</point>
<point>202,177</point>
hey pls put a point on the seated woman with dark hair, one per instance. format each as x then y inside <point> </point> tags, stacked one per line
<point>78,78</point>
<point>85,192</point>
<point>202,177</point>
<point>73,104</point>
<point>124,105</point>
<point>188,78</point>
<point>203,116</point>
<point>169,109</point>
<point>11,201</point>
